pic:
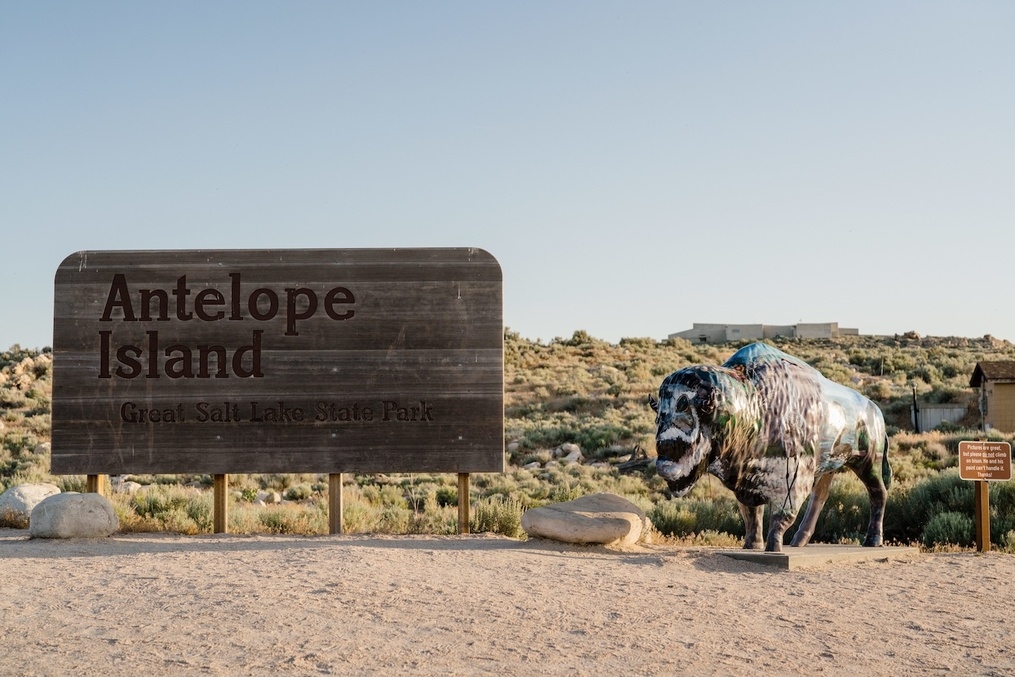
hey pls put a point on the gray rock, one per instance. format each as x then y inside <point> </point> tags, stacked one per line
<point>41,449</point>
<point>535,465</point>
<point>269,497</point>
<point>574,457</point>
<point>599,518</point>
<point>18,501</point>
<point>73,515</point>
<point>126,487</point>
<point>567,449</point>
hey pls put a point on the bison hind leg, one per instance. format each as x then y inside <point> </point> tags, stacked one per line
<point>753,516</point>
<point>878,494</point>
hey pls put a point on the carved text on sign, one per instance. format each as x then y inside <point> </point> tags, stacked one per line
<point>278,412</point>
<point>131,360</point>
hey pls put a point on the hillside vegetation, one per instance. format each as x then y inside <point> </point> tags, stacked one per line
<point>586,392</point>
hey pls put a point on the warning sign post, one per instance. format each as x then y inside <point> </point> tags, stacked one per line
<point>984,462</point>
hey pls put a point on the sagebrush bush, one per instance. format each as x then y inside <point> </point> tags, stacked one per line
<point>911,508</point>
<point>293,519</point>
<point>155,502</point>
<point>685,517</point>
<point>498,515</point>
<point>673,518</point>
<point>10,519</point>
<point>949,528</point>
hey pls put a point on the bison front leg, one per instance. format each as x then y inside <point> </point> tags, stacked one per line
<point>777,525</point>
<point>818,497</point>
<point>753,516</point>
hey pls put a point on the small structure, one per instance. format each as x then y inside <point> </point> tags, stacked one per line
<point>930,416</point>
<point>996,383</point>
<point>723,333</point>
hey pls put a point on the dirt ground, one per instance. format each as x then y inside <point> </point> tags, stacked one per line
<point>158,604</point>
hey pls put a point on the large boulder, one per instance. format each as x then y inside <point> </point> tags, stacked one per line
<point>598,518</point>
<point>73,515</point>
<point>16,503</point>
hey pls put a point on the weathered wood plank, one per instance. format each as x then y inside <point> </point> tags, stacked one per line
<point>463,503</point>
<point>220,501</point>
<point>251,361</point>
<point>98,484</point>
<point>336,504</point>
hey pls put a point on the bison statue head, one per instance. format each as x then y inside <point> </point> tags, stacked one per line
<point>698,407</point>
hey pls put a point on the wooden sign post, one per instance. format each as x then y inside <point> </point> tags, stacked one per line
<point>984,462</point>
<point>278,361</point>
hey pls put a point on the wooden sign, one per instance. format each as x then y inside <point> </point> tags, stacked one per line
<point>985,461</point>
<point>315,360</point>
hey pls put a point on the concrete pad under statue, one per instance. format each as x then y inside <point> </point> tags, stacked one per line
<point>823,554</point>
<point>605,519</point>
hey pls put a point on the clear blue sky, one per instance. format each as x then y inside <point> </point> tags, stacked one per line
<point>635,167</point>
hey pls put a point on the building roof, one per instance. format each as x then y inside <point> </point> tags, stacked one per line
<point>1002,370</point>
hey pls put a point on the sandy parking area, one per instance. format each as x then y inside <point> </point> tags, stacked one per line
<point>155,604</point>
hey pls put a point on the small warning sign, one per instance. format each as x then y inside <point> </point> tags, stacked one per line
<point>985,461</point>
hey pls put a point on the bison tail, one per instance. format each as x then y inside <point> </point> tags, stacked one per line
<point>886,468</point>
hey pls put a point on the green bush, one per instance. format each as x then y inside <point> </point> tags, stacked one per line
<point>298,492</point>
<point>686,517</point>
<point>673,518</point>
<point>11,519</point>
<point>287,520</point>
<point>910,509</point>
<point>948,528</point>
<point>1002,510</point>
<point>199,509</point>
<point>18,443</point>
<point>498,515</point>
<point>157,503</point>
<point>446,496</point>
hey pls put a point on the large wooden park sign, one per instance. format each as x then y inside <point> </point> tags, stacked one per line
<point>320,360</point>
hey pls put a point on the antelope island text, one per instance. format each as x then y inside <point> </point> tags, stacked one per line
<point>209,304</point>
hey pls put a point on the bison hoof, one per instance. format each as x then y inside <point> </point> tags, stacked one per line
<point>873,542</point>
<point>800,541</point>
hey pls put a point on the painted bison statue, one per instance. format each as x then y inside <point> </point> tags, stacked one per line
<point>773,430</point>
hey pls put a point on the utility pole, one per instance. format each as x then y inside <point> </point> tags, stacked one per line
<point>916,411</point>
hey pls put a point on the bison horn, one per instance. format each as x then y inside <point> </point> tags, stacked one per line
<point>653,402</point>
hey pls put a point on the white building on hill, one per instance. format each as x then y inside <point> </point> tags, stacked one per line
<point>722,333</point>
